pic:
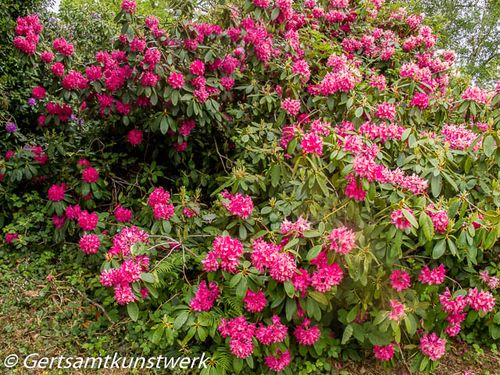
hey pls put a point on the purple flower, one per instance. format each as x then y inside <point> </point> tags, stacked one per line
<point>10,127</point>
<point>31,102</point>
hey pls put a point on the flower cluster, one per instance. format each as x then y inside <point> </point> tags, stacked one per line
<point>237,204</point>
<point>159,200</point>
<point>205,296</point>
<point>226,253</point>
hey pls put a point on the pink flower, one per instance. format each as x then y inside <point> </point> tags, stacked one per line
<point>123,293</point>
<point>399,220</point>
<point>282,267</point>
<point>38,92</point>
<point>205,297</point>
<point>312,143</point>
<point>123,215</point>
<point>47,57</point>
<point>241,333</point>
<point>90,175</point>
<point>197,68</point>
<point>263,254</point>
<point>383,353</point>
<point>432,346</point>
<point>63,47</point>
<point>125,239</point>
<point>397,310</point>
<point>475,94</point>
<point>186,127</point>
<point>10,237</point>
<point>435,276</point>
<point>238,204</point>
<point>301,67</point>
<point>459,137</point>
<point>159,195</point>
<point>481,300</point>
<point>400,280</point>
<point>386,111</point>
<point>440,220</point>
<point>295,228</point>
<point>225,250</point>
<point>176,80</point>
<point>88,221</point>
<point>135,137</point>
<point>149,79</point>
<point>307,335</point>
<point>57,69</point>
<point>273,333</point>
<point>261,3</point>
<point>73,212</point>
<point>291,106</point>
<point>342,240</point>
<point>89,243</point>
<point>74,80</point>
<point>227,83</point>
<point>280,362</point>
<point>56,192</point>
<point>129,6</point>
<point>326,277</point>
<point>354,190</point>
<point>163,211</point>
<point>58,221</point>
<point>255,302</point>
<point>301,280</point>
<point>420,100</point>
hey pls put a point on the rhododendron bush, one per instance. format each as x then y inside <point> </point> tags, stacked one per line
<point>300,180</point>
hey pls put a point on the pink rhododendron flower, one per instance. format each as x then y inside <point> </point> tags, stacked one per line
<point>135,137</point>
<point>226,253</point>
<point>383,353</point>
<point>89,243</point>
<point>420,100</point>
<point>123,215</point>
<point>326,277</point>
<point>58,221</point>
<point>400,280</point>
<point>459,137</point>
<point>435,276</point>
<point>312,143</point>
<point>475,94</point>
<point>295,228</point>
<point>280,361</point>
<point>38,92</point>
<point>125,239</point>
<point>205,296</point>
<point>291,106</point>
<point>432,346</point>
<point>255,302</point>
<point>129,6</point>
<point>397,310</point>
<point>56,192</point>
<point>386,111</point>
<point>306,334</point>
<point>88,220</point>
<point>163,211</point>
<point>399,220</point>
<point>273,333</point>
<point>10,237</point>
<point>241,333</point>
<point>481,300</point>
<point>237,204</point>
<point>342,240</point>
<point>176,80</point>
<point>90,175</point>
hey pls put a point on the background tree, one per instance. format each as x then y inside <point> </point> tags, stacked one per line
<point>471,28</point>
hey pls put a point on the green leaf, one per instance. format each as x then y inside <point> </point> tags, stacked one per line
<point>427,226</point>
<point>164,125</point>
<point>439,249</point>
<point>147,277</point>
<point>489,145</point>
<point>436,185</point>
<point>133,311</point>
<point>347,334</point>
<point>319,297</point>
<point>181,319</point>
<point>275,175</point>
<point>275,13</point>
<point>289,289</point>
<point>410,217</point>
<point>359,112</point>
<point>314,252</point>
